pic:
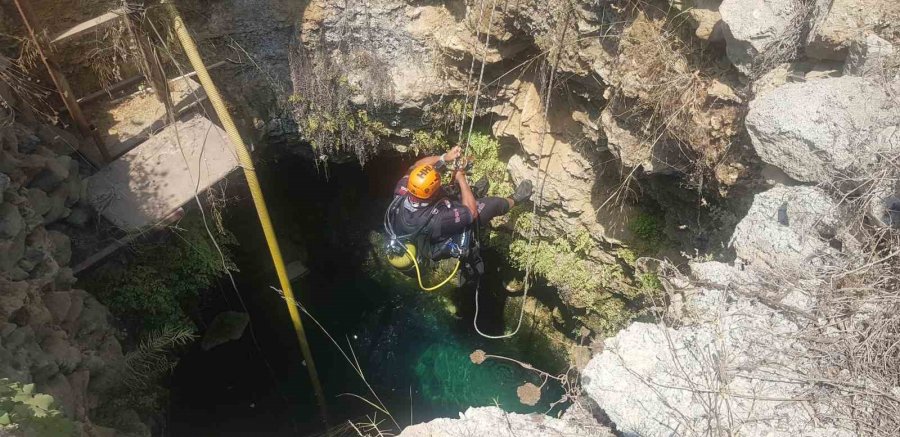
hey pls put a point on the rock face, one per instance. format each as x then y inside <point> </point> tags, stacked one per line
<point>684,378</point>
<point>51,335</point>
<point>730,342</point>
<point>816,131</point>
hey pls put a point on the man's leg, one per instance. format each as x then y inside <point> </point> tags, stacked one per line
<point>490,207</point>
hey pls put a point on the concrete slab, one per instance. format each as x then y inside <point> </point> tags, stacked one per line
<point>151,181</point>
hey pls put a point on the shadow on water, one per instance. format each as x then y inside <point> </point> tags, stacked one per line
<point>413,346</point>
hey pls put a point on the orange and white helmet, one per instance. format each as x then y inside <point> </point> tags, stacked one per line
<point>424,182</point>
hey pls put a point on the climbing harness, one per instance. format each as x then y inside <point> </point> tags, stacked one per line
<point>404,250</point>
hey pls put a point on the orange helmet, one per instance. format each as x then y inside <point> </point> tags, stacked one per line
<point>424,181</point>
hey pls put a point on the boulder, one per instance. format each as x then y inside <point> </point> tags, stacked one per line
<point>77,304</point>
<point>55,172</point>
<point>39,201</point>
<point>11,252</point>
<point>226,326</point>
<point>11,222</point>
<point>652,379</point>
<point>58,303</point>
<point>571,178</point>
<point>849,20</point>
<point>752,25</point>
<point>63,353</point>
<point>870,55</point>
<point>705,16</point>
<point>58,387</point>
<point>786,227</point>
<point>60,246</point>
<point>12,296</point>
<point>493,421</point>
<point>815,131</point>
<point>80,216</point>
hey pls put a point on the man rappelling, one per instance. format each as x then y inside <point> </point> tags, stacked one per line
<point>429,222</point>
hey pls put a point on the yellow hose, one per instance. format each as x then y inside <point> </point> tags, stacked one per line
<point>259,201</point>
<point>419,273</point>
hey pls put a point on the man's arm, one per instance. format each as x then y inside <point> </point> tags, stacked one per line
<point>451,155</point>
<point>465,193</point>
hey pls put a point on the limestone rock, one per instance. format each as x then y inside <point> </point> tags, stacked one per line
<point>817,130</point>
<point>705,16</point>
<point>39,201</point>
<point>848,20</point>
<point>752,25</point>
<point>786,227</point>
<point>11,252</point>
<point>5,182</point>
<point>570,182</point>
<point>495,422</point>
<point>870,56</point>
<point>61,390</point>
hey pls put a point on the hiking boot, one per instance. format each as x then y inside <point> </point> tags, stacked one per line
<point>523,191</point>
<point>480,188</point>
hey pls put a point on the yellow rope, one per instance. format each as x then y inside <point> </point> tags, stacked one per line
<point>419,272</point>
<point>259,201</point>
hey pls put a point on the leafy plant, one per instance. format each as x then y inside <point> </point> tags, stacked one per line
<point>25,412</point>
<point>149,291</point>
<point>649,229</point>
<point>153,357</point>
<point>424,142</point>
<point>324,107</point>
<point>486,151</point>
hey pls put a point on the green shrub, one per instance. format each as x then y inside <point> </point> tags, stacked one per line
<point>424,142</point>
<point>24,412</point>
<point>486,151</point>
<point>649,231</point>
<point>150,291</point>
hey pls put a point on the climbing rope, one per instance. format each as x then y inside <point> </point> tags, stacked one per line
<point>487,41</point>
<point>535,204</point>
<point>465,108</point>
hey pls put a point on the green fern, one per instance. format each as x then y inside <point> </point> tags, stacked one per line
<point>153,356</point>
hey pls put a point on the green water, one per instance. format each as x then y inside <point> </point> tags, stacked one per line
<point>413,346</point>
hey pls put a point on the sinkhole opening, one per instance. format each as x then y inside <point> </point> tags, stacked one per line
<point>413,346</point>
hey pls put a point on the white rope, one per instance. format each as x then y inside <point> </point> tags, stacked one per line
<point>487,41</point>
<point>535,205</point>
<point>465,108</point>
